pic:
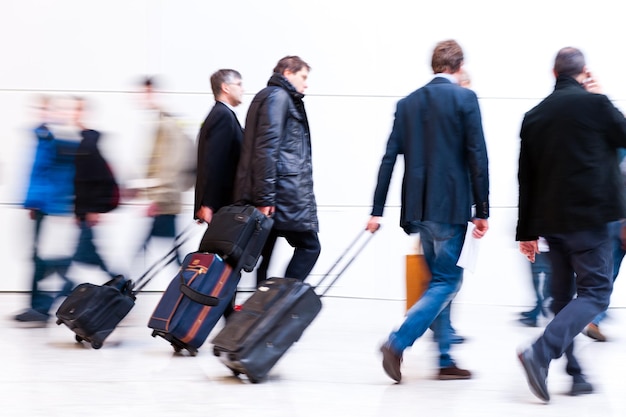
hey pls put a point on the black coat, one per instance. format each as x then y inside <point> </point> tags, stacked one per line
<point>438,129</point>
<point>275,168</point>
<point>95,186</point>
<point>569,178</point>
<point>219,146</point>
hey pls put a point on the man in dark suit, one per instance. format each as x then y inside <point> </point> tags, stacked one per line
<point>569,192</point>
<point>219,145</point>
<point>438,129</point>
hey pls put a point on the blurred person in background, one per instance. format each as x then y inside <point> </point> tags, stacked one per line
<point>617,232</point>
<point>540,272</point>
<point>49,200</point>
<point>170,169</point>
<point>96,190</point>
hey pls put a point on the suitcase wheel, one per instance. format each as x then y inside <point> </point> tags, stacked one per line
<point>78,338</point>
<point>193,352</point>
<point>235,372</point>
<point>177,349</point>
<point>253,380</point>
<point>96,345</point>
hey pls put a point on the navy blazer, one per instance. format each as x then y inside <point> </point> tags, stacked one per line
<point>438,129</point>
<point>219,146</point>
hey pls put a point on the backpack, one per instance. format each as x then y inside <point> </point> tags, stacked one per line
<point>96,188</point>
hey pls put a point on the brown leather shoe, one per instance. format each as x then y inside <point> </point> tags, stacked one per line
<point>593,331</point>
<point>391,362</point>
<point>453,372</point>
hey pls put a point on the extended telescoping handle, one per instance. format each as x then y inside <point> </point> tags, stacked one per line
<point>347,264</point>
<point>169,257</point>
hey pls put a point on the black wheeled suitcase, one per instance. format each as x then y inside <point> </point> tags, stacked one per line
<point>237,233</point>
<point>270,322</point>
<point>92,311</point>
<point>194,301</point>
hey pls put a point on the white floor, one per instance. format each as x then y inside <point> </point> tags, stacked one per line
<point>334,370</point>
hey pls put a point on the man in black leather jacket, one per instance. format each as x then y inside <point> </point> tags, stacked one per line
<point>275,169</point>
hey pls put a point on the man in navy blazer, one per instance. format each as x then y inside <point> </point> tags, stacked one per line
<point>438,129</point>
<point>219,146</point>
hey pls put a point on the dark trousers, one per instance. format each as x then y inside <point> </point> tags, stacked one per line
<point>581,287</point>
<point>42,300</point>
<point>163,225</point>
<point>307,249</point>
<point>86,252</point>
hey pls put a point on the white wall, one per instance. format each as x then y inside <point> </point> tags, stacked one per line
<point>365,55</point>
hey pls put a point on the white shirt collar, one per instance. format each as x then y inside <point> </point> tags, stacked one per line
<point>227,105</point>
<point>450,77</point>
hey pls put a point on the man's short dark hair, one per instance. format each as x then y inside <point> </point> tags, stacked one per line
<point>223,76</point>
<point>569,62</point>
<point>447,56</point>
<point>292,63</point>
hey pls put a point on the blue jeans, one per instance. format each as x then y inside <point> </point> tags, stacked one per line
<point>581,287</point>
<point>42,300</point>
<point>442,244</point>
<point>542,292</point>
<point>615,230</point>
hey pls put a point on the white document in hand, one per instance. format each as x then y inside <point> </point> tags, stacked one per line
<point>469,252</point>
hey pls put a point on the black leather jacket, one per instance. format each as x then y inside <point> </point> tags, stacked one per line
<point>275,167</point>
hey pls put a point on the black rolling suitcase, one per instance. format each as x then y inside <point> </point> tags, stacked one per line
<point>92,311</point>
<point>271,321</point>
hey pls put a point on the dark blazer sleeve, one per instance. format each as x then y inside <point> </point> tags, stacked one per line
<point>394,148</point>
<point>476,152</point>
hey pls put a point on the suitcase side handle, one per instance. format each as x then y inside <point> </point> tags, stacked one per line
<point>358,251</point>
<point>198,297</point>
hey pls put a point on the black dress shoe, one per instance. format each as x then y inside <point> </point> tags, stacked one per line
<point>535,373</point>
<point>580,386</point>
<point>528,321</point>
<point>391,362</point>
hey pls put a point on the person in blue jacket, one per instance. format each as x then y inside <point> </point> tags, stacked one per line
<point>50,193</point>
